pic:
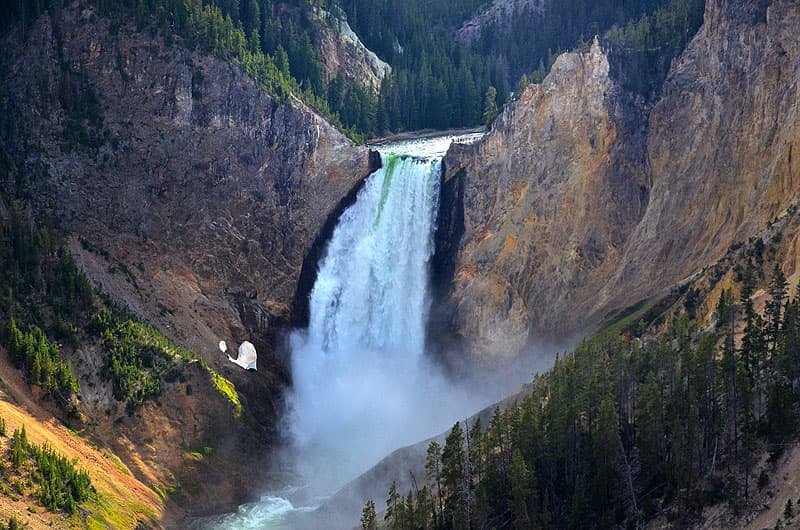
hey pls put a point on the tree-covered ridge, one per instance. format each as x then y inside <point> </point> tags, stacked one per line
<point>269,41</point>
<point>529,37</point>
<point>43,298</point>
<point>642,51</point>
<point>627,427</point>
<point>437,81</point>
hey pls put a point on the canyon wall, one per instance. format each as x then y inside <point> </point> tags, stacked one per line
<point>581,201</point>
<point>192,199</point>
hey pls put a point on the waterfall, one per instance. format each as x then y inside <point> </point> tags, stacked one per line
<point>361,384</point>
<point>353,367</point>
<point>372,288</point>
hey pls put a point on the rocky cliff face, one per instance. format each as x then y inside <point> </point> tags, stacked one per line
<point>193,197</point>
<point>343,52</point>
<point>496,12</point>
<point>720,147</point>
<point>173,157</point>
<point>547,199</point>
<point>577,204</point>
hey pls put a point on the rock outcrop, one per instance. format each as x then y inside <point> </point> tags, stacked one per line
<point>545,204</point>
<point>496,12</point>
<point>193,198</point>
<point>343,52</point>
<point>577,204</point>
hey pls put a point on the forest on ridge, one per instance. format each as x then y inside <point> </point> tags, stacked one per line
<point>437,81</point>
<point>652,418</point>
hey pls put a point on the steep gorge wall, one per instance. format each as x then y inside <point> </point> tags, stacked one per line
<point>577,203</point>
<point>548,199</point>
<point>191,168</point>
<point>192,198</point>
<point>720,145</point>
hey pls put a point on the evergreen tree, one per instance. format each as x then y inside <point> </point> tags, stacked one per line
<point>752,339</point>
<point>369,520</point>
<point>433,476</point>
<point>774,307</point>
<point>393,516</point>
<point>606,448</point>
<point>521,493</point>
<point>453,478</point>
<point>490,106</point>
<point>524,82</point>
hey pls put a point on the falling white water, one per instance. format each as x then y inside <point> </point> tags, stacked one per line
<point>372,288</point>
<point>362,386</point>
<point>355,366</point>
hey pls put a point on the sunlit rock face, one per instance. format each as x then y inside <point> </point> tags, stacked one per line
<point>543,207</point>
<point>578,204</point>
<point>722,146</point>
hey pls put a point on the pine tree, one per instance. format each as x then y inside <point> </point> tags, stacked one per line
<point>751,338</point>
<point>774,307</point>
<point>393,516</point>
<point>453,474</point>
<point>490,106</point>
<point>19,448</point>
<point>369,520</point>
<point>520,492</point>
<point>606,447</point>
<point>433,476</point>
<point>651,426</point>
<point>423,510</point>
<point>475,451</point>
<point>789,361</point>
<point>724,308</point>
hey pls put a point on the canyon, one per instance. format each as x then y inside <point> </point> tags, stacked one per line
<point>204,206</point>
<point>216,193</point>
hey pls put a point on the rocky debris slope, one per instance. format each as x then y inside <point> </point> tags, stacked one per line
<point>343,52</point>
<point>193,198</point>
<point>576,204</point>
<point>497,12</point>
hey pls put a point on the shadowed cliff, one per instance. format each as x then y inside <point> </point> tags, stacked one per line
<point>190,197</point>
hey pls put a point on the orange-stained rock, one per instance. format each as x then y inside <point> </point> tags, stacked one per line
<point>608,203</point>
